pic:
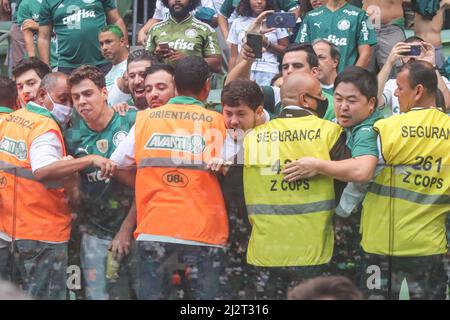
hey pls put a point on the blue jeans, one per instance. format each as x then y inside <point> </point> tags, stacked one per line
<point>158,262</point>
<point>93,254</point>
<point>42,267</point>
<point>5,261</point>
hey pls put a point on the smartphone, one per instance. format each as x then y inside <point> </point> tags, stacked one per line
<point>281,20</point>
<point>164,46</point>
<point>255,41</point>
<point>415,50</point>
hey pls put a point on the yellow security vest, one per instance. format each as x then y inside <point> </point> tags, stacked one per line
<point>405,208</point>
<point>291,222</point>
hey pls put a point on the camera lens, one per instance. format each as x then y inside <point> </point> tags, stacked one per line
<point>278,20</point>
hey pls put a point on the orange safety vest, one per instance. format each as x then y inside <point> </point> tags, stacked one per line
<point>175,195</point>
<point>29,209</point>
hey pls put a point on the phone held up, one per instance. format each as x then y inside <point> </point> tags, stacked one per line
<point>415,50</point>
<point>255,41</point>
<point>281,20</point>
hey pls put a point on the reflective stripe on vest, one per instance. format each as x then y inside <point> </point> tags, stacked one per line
<point>409,195</point>
<point>171,163</point>
<point>27,174</point>
<point>291,209</point>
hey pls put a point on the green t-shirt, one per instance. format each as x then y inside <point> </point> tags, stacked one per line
<point>29,9</point>
<point>346,28</point>
<point>76,24</point>
<point>228,6</point>
<point>362,139</point>
<point>191,36</point>
<point>105,202</point>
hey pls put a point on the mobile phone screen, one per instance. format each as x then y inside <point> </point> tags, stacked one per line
<point>254,41</point>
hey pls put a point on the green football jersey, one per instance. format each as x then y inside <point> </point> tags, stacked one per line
<point>29,9</point>
<point>346,28</point>
<point>191,36</point>
<point>105,202</point>
<point>76,24</point>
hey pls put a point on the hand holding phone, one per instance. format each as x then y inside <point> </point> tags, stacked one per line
<point>255,41</point>
<point>415,51</point>
<point>281,20</point>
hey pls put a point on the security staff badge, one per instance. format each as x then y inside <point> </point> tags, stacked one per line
<point>102,145</point>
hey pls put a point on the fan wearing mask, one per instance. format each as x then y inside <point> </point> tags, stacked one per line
<point>34,212</point>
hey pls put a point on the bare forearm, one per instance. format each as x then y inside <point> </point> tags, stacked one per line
<point>60,169</point>
<point>129,223</point>
<point>240,71</point>
<point>44,46</point>
<point>383,77</point>
<point>29,43</point>
<point>223,25</point>
<point>358,169</point>
<point>364,59</point>
<point>126,176</point>
<point>214,63</point>
<point>443,87</point>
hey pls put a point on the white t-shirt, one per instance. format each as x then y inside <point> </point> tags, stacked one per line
<point>45,150</point>
<point>236,36</point>
<point>115,95</point>
<point>123,156</point>
<point>162,12</point>
<point>391,100</point>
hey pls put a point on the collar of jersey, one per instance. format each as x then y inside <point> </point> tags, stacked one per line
<point>5,110</point>
<point>174,21</point>
<point>35,108</point>
<point>185,100</point>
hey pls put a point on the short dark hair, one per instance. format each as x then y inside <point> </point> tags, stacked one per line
<point>335,287</point>
<point>141,55</point>
<point>423,73</point>
<point>334,50</point>
<point>312,59</point>
<point>242,91</point>
<point>244,8</point>
<point>192,4</point>
<point>159,67</point>
<point>32,63</point>
<point>191,74</point>
<point>364,80</point>
<point>8,92</point>
<point>114,29</point>
<point>87,72</point>
<point>414,39</point>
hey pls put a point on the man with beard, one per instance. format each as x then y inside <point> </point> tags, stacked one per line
<point>183,35</point>
<point>159,85</point>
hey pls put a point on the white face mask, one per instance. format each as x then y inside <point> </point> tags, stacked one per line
<point>61,112</point>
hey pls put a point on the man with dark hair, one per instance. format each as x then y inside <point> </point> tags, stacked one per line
<point>37,220</point>
<point>404,212</point>
<point>105,204</point>
<point>115,50</point>
<point>296,58</point>
<point>329,56</point>
<point>76,24</point>
<point>242,109</point>
<point>138,61</point>
<point>8,96</point>
<point>400,53</point>
<point>185,36</point>
<point>159,85</point>
<point>28,74</point>
<point>325,288</point>
<point>180,209</point>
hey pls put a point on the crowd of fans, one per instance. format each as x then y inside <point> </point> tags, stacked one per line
<point>122,162</point>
